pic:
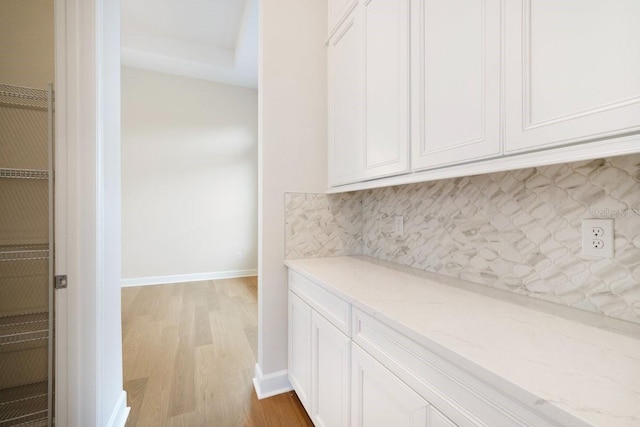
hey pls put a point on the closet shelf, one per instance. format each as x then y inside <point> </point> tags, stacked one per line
<point>26,257</point>
<point>19,96</point>
<point>24,173</point>
<point>24,405</point>
<point>24,328</point>
<point>23,252</point>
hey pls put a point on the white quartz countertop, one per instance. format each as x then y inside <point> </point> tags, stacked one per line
<point>582,363</point>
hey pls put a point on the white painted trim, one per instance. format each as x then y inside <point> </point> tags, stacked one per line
<point>101,215</point>
<point>62,93</point>
<point>84,39</point>
<point>76,231</point>
<point>61,370</point>
<point>120,412</point>
<point>333,26</point>
<point>573,153</point>
<point>271,384</point>
<point>179,278</point>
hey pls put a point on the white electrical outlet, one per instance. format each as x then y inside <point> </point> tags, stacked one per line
<point>398,225</point>
<point>597,237</point>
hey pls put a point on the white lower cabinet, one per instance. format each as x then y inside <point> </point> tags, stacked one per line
<point>319,352</point>
<point>351,369</point>
<point>460,397</point>
<point>379,398</point>
<point>300,349</point>
<point>330,374</point>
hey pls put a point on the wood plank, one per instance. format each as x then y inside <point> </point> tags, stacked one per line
<point>135,396</point>
<point>155,407</point>
<point>202,326</point>
<point>189,354</point>
<point>183,389</point>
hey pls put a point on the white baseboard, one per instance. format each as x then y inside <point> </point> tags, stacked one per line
<point>179,278</point>
<point>271,384</point>
<point>120,413</point>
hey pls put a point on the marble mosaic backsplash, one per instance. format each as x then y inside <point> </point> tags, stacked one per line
<point>321,225</point>
<point>519,230</point>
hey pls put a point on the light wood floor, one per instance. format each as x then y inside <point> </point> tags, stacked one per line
<point>189,353</point>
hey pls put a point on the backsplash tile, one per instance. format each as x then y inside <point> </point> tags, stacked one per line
<point>517,230</point>
<point>318,225</point>
<point>520,231</point>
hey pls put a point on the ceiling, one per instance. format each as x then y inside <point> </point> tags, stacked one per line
<point>214,40</point>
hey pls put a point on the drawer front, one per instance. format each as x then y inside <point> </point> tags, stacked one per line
<point>462,397</point>
<point>333,308</point>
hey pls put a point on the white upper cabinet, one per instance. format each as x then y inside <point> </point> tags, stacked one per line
<point>369,65</point>
<point>346,155</point>
<point>338,9</point>
<point>456,81</point>
<point>432,89</point>
<point>386,87</point>
<point>572,71</point>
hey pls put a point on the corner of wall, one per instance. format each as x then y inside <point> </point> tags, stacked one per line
<point>270,384</point>
<point>120,412</point>
<point>320,225</point>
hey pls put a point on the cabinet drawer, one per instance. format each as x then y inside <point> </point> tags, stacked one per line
<point>464,398</point>
<point>334,309</point>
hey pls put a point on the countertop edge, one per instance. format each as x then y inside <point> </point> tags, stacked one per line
<point>483,374</point>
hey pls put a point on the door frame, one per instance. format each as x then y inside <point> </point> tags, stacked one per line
<point>88,345</point>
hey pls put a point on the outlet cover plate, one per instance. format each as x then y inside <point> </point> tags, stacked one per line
<point>588,238</point>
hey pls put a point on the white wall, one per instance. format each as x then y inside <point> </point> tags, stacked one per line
<point>189,176</point>
<point>293,123</point>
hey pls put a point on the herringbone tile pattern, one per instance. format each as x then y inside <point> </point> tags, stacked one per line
<point>519,230</point>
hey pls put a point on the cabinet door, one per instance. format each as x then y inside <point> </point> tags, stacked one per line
<point>386,31</point>
<point>456,81</point>
<point>572,71</point>
<point>330,378</point>
<point>337,10</point>
<point>299,349</point>
<point>379,398</point>
<point>345,103</point>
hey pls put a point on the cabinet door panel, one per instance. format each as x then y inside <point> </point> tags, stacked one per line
<point>331,363</point>
<point>456,84</point>
<point>386,90</point>
<point>379,398</point>
<point>337,10</point>
<point>436,419</point>
<point>300,349</point>
<point>572,71</point>
<point>345,104</point>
